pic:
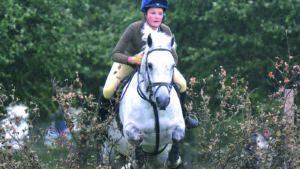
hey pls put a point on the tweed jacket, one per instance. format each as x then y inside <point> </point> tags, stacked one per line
<point>131,42</point>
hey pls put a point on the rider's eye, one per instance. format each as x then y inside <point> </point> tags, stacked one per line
<point>150,66</point>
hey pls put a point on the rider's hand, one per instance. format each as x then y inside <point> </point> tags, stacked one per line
<point>136,59</point>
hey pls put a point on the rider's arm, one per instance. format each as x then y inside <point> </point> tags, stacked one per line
<point>125,46</point>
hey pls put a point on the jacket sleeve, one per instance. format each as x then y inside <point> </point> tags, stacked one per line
<point>119,53</point>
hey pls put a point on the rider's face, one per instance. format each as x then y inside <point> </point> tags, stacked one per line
<point>154,17</point>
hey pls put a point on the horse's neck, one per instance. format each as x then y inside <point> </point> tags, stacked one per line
<point>136,91</point>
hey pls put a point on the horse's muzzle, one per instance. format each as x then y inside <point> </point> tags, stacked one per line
<point>162,102</point>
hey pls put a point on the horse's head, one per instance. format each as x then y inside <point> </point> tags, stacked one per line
<point>157,68</point>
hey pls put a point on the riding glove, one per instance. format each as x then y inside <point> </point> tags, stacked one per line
<point>136,59</point>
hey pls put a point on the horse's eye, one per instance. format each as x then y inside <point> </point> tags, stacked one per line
<point>150,66</point>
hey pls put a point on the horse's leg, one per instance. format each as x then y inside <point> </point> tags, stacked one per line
<point>174,159</point>
<point>135,138</point>
<point>134,134</point>
<point>178,134</point>
<point>139,157</point>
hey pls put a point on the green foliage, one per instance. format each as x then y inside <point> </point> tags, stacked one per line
<point>243,36</point>
<point>45,40</point>
<point>228,124</point>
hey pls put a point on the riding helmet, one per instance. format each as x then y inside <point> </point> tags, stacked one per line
<point>154,3</point>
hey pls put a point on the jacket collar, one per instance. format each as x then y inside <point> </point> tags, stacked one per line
<point>146,30</point>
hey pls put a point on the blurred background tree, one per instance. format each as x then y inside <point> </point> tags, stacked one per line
<point>242,36</point>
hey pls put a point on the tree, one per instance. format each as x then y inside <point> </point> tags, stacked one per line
<point>242,36</point>
<point>45,40</point>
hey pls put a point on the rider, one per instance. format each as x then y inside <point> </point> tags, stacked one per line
<point>126,55</point>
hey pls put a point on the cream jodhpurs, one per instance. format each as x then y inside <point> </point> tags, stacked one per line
<point>119,71</point>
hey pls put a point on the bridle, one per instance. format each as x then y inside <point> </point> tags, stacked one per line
<point>151,84</point>
<point>149,89</point>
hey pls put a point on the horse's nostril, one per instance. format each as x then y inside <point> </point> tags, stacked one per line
<point>158,100</point>
<point>162,102</point>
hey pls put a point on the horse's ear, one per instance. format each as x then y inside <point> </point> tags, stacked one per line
<point>149,40</point>
<point>172,40</point>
